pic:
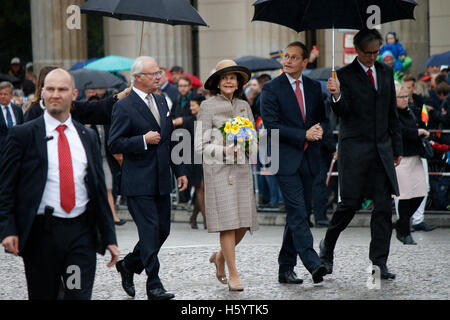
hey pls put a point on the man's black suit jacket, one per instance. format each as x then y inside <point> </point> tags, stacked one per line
<point>280,110</point>
<point>144,172</point>
<point>23,174</point>
<point>369,125</point>
<point>4,128</point>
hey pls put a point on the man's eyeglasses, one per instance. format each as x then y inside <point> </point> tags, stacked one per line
<point>293,58</point>
<point>153,74</point>
<point>402,97</point>
<point>371,53</point>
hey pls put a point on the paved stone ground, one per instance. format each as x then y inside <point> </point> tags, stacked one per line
<point>422,270</point>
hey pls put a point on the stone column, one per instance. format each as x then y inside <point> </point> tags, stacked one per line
<point>53,43</point>
<point>169,45</point>
<point>414,35</point>
<point>231,33</point>
<point>439,25</point>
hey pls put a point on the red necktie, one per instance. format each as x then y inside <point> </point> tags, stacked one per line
<point>298,94</point>
<point>369,72</point>
<point>66,183</point>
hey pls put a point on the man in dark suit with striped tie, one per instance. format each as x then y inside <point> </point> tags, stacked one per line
<point>11,114</point>
<point>141,129</point>
<point>293,104</point>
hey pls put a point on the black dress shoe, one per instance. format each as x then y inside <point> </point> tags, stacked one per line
<point>423,227</point>
<point>127,278</point>
<point>322,224</point>
<point>384,272</point>
<point>409,240</point>
<point>159,294</point>
<point>326,257</point>
<point>121,222</point>
<point>289,277</point>
<point>400,238</point>
<point>318,273</point>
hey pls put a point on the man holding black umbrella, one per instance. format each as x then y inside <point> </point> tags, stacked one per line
<point>370,145</point>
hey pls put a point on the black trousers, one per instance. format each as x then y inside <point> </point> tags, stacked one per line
<point>406,209</point>
<point>152,217</point>
<point>67,253</point>
<point>381,219</point>
<point>321,191</point>
<point>297,239</point>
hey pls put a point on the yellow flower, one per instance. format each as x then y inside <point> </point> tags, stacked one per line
<point>235,129</point>
<point>240,140</point>
<point>251,125</point>
<point>227,127</point>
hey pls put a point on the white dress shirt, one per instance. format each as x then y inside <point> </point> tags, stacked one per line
<point>51,196</point>
<point>11,111</point>
<point>143,96</point>
<point>292,81</point>
<point>374,72</point>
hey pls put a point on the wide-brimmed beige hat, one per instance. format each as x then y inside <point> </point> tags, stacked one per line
<point>225,66</point>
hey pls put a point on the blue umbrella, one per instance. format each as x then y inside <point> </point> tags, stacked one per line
<point>82,64</point>
<point>440,59</point>
<point>111,64</point>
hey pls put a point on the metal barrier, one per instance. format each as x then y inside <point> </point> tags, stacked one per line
<point>444,174</point>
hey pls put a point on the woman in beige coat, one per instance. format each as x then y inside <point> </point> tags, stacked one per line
<point>229,197</point>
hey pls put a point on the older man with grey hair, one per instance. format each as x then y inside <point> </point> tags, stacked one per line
<point>141,129</point>
<point>11,114</point>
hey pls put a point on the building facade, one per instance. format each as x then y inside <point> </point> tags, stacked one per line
<point>229,35</point>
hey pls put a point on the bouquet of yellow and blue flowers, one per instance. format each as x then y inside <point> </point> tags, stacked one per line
<point>239,130</point>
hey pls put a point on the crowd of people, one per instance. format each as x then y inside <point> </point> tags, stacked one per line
<point>77,156</point>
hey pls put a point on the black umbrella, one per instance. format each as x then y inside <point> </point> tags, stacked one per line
<point>173,12</point>
<point>255,64</point>
<point>95,79</point>
<point>320,74</point>
<point>7,77</point>
<point>302,15</point>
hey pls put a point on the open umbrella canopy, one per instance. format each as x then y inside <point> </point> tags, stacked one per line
<point>255,64</point>
<point>82,64</point>
<point>319,74</point>
<point>111,64</point>
<point>174,12</point>
<point>95,79</point>
<point>440,59</point>
<point>7,77</point>
<point>302,15</point>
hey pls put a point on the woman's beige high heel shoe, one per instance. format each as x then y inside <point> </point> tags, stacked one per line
<point>221,277</point>
<point>237,287</point>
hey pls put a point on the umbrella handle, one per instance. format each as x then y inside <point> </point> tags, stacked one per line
<point>333,74</point>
